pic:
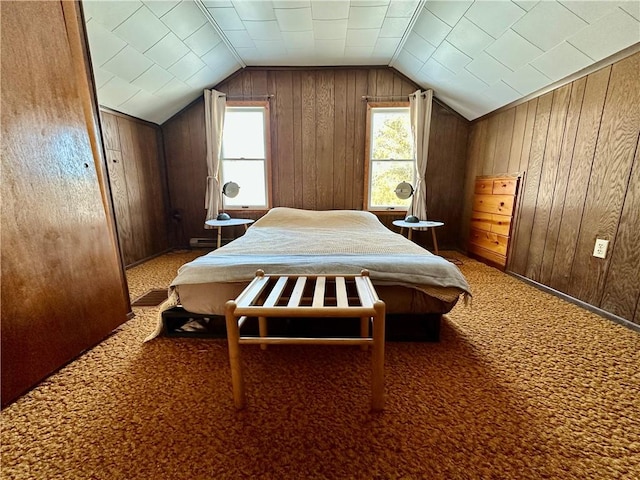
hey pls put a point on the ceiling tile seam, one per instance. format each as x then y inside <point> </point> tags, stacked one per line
<point>627,13</point>
<point>407,32</point>
<point>526,40</point>
<point>573,13</point>
<point>130,97</point>
<point>442,43</point>
<point>474,75</point>
<point>171,65</point>
<point>220,32</point>
<point>189,78</point>
<point>150,67</point>
<point>479,27</point>
<point>445,40</point>
<point>112,57</point>
<point>537,69</point>
<point>181,41</point>
<point>464,15</point>
<point>132,14</point>
<point>576,14</point>
<point>497,60</point>
<point>568,40</point>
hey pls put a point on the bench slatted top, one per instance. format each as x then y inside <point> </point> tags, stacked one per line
<point>308,296</point>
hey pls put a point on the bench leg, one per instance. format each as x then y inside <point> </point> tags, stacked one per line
<point>233,339</point>
<point>364,330</point>
<point>262,326</point>
<point>377,359</point>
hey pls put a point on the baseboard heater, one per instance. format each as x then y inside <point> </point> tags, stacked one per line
<point>202,243</point>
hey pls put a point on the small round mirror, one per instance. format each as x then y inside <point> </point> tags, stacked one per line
<point>404,190</point>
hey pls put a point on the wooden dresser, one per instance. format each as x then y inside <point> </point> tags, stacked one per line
<point>493,207</point>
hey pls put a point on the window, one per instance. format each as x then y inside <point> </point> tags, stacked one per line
<point>245,154</point>
<point>389,155</point>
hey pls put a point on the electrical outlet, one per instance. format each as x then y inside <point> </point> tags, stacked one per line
<point>600,250</point>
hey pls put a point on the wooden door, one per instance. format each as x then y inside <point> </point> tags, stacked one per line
<point>62,289</point>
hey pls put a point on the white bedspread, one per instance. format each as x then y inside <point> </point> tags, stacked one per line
<point>294,241</point>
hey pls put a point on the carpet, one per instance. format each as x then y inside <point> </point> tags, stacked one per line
<point>522,385</point>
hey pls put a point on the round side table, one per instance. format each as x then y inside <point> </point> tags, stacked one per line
<point>421,224</point>
<point>232,222</point>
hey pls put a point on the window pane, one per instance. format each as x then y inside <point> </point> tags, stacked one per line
<point>385,177</point>
<point>250,176</point>
<point>391,134</point>
<point>243,135</point>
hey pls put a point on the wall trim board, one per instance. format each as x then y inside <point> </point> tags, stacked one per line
<point>315,68</point>
<point>580,303</point>
<point>616,57</point>
<point>146,259</point>
<point>128,117</point>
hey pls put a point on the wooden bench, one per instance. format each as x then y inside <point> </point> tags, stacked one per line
<point>308,296</point>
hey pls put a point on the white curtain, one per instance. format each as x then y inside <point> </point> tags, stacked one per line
<point>215,104</point>
<point>420,113</point>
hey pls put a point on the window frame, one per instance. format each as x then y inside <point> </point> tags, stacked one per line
<point>368,160</point>
<point>267,151</point>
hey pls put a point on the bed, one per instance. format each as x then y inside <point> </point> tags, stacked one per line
<point>408,278</point>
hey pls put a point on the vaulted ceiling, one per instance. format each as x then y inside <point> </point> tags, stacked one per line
<point>151,58</point>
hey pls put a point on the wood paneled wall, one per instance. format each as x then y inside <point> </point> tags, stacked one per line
<point>62,283</point>
<point>578,149</point>
<point>138,185</point>
<point>317,142</point>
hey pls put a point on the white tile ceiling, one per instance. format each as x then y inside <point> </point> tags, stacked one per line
<point>152,57</point>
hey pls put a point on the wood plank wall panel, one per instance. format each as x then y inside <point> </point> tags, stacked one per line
<point>609,181</point>
<point>357,198</point>
<point>309,170</point>
<point>282,125</point>
<point>579,155</point>
<point>520,149</point>
<point>493,132</point>
<point>573,205</point>
<point>62,289</point>
<point>621,293</point>
<point>445,174</point>
<point>317,143</point>
<point>339,139</point>
<point>186,174</point>
<point>546,188</point>
<point>324,140</point>
<point>532,183</point>
<point>475,159</point>
<point>564,166</point>
<point>137,178</point>
<point>517,139</point>
<point>504,140</point>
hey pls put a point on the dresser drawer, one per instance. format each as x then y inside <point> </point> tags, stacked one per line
<point>501,224</point>
<point>481,221</point>
<point>491,241</point>
<point>505,186</point>
<point>484,186</point>
<point>500,204</point>
<point>488,254</point>
<point>490,222</point>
